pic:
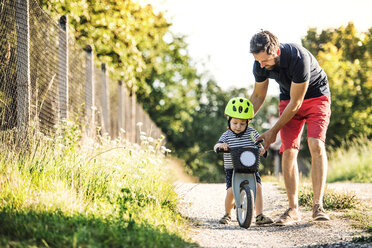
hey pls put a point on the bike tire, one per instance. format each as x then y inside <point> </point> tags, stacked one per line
<point>244,212</point>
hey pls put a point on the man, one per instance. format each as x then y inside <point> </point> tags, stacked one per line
<point>304,97</point>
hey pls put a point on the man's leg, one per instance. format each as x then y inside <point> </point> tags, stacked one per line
<point>319,165</point>
<point>290,174</point>
<point>291,137</point>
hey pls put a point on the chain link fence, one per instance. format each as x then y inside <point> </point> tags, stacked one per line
<point>45,77</point>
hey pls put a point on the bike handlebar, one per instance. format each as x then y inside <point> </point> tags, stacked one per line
<point>220,150</point>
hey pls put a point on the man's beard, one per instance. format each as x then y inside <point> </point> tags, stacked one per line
<point>276,66</point>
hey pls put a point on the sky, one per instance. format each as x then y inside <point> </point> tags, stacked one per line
<point>218,31</point>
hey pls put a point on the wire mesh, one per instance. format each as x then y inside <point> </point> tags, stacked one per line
<point>76,80</point>
<point>8,54</point>
<point>44,64</point>
<point>45,76</point>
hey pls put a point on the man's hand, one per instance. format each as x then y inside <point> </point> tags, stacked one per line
<point>269,137</point>
<point>262,151</point>
<point>297,93</point>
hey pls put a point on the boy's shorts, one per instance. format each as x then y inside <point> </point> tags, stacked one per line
<point>229,173</point>
<point>315,111</point>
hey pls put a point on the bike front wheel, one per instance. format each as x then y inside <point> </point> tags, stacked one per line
<point>244,212</point>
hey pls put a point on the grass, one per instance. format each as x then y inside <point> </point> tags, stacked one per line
<point>332,200</point>
<point>360,213</point>
<point>108,194</point>
<point>351,162</point>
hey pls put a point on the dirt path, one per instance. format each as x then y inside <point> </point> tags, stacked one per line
<point>204,205</point>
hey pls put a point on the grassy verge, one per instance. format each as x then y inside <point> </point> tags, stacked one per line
<point>111,194</point>
<point>332,200</point>
<point>351,162</point>
<point>360,213</point>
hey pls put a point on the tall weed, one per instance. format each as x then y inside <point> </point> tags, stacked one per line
<point>109,193</point>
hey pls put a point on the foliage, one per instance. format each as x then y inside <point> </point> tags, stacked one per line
<point>345,54</point>
<point>187,104</point>
<point>63,194</point>
<point>152,62</point>
<point>124,34</point>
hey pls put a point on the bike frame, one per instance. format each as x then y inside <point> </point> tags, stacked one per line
<point>238,180</point>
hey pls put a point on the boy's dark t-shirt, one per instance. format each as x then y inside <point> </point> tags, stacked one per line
<point>297,65</point>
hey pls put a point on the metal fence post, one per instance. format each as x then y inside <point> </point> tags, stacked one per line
<point>126,114</point>
<point>63,68</point>
<point>89,92</point>
<point>120,111</point>
<point>133,116</point>
<point>105,100</point>
<point>23,66</point>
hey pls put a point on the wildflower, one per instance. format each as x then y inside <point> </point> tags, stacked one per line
<point>151,197</point>
<point>135,176</point>
<point>140,124</point>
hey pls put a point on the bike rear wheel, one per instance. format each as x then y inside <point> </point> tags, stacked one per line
<point>244,212</point>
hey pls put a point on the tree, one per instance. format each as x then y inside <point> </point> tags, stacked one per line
<point>155,65</point>
<point>345,55</point>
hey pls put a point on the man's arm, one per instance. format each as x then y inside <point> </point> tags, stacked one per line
<point>259,94</point>
<point>297,94</point>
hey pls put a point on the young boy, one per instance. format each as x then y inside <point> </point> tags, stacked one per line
<point>239,112</point>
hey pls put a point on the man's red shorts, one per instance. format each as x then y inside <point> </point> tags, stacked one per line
<point>315,111</point>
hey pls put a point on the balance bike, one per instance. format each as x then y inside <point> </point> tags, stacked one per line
<point>246,161</point>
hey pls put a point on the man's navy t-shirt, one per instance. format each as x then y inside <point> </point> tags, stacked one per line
<point>297,65</point>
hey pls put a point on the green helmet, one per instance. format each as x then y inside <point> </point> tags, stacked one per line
<point>239,107</point>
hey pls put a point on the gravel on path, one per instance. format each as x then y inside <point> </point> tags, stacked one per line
<point>203,204</point>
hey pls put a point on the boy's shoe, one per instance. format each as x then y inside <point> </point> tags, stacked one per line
<point>319,213</point>
<point>289,217</point>
<point>225,219</point>
<point>261,219</point>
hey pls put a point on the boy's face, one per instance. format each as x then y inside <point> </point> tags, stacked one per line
<point>238,125</point>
